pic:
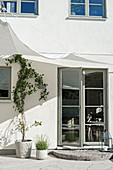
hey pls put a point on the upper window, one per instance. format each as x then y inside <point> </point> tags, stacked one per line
<point>5,81</point>
<point>19,6</point>
<point>88,8</point>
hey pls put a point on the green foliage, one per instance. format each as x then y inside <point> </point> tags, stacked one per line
<point>24,87</point>
<point>21,123</point>
<point>42,143</point>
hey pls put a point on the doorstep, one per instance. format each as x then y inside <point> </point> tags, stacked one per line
<point>82,155</point>
<point>7,151</point>
<point>78,148</point>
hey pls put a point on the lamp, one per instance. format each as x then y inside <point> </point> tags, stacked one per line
<point>106,141</point>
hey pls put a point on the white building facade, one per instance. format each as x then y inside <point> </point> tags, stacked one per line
<point>79,106</point>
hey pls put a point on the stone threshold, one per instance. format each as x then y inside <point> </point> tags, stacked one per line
<point>7,151</point>
<point>82,155</point>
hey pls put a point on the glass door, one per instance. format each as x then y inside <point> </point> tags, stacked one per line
<point>95,107</point>
<point>69,106</point>
<point>82,106</point>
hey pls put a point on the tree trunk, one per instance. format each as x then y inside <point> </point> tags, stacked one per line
<point>24,126</point>
<point>23,133</point>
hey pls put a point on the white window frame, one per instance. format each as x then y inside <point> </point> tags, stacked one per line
<point>63,106</point>
<point>18,10</point>
<point>87,10</point>
<point>104,106</point>
<point>82,105</point>
<point>9,84</point>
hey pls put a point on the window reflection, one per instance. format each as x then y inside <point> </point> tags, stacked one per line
<point>94,133</point>
<point>94,79</point>
<point>93,97</point>
<point>10,6</point>
<point>70,78</point>
<point>70,97</point>
<point>4,82</point>
<point>94,115</point>
<point>70,136</point>
<point>77,9</point>
<point>3,93</point>
<point>70,116</point>
<point>3,90</point>
<point>77,1</point>
<point>96,1</point>
<point>4,75</point>
<point>95,10</point>
<point>27,7</point>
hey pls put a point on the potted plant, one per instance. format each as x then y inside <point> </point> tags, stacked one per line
<point>24,87</point>
<point>41,147</point>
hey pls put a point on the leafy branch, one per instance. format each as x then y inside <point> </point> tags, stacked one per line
<point>24,88</point>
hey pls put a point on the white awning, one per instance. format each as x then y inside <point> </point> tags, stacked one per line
<point>10,44</point>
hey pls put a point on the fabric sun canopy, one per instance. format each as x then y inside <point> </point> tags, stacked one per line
<point>10,44</point>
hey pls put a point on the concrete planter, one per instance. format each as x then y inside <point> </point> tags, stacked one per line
<point>41,154</point>
<point>23,149</point>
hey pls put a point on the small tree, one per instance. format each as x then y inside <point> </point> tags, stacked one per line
<point>24,87</point>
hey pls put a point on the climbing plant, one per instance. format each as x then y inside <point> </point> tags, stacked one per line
<point>25,87</point>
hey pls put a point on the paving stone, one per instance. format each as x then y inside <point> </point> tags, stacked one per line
<point>52,163</point>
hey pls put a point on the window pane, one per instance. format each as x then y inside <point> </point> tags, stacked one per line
<point>3,93</point>
<point>70,116</point>
<point>3,86</point>
<point>77,9</point>
<point>4,75</point>
<point>70,136</point>
<point>27,7</point>
<point>95,10</point>
<point>94,133</point>
<point>77,1</point>
<point>27,0</point>
<point>94,79</point>
<point>94,97</point>
<point>4,82</point>
<point>70,78</point>
<point>96,1</point>
<point>94,115</point>
<point>10,6</point>
<point>3,90</point>
<point>70,97</point>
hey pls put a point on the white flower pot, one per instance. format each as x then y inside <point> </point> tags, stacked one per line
<point>23,149</point>
<point>105,148</point>
<point>41,154</point>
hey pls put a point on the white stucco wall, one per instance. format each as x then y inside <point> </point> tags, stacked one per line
<point>34,110</point>
<point>53,32</point>
<point>45,111</point>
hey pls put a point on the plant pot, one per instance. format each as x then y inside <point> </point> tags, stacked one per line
<point>105,148</point>
<point>23,149</point>
<point>41,154</point>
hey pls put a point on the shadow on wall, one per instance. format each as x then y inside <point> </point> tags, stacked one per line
<point>8,115</point>
<point>7,131</point>
<point>50,77</point>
